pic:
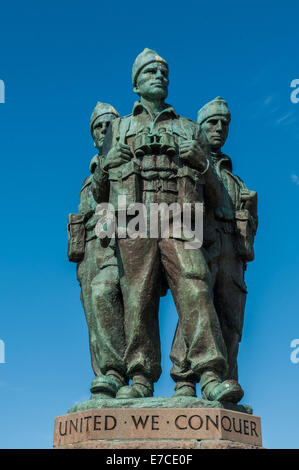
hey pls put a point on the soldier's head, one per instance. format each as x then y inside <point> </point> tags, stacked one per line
<point>100,120</point>
<point>150,76</point>
<point>214,118</point>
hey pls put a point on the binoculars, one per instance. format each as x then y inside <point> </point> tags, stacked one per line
<point>162,142</point>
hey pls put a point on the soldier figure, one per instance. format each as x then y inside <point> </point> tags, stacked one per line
<point>97,273</point>
<point>153,156</point>
<point>235,225</point>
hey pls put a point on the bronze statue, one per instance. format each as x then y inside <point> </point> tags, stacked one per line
<point>150,157</point>
<point>235,225</point>
<point>154,156</point>
<point>97,273</point>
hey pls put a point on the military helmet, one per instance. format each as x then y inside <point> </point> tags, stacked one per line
<point>218,106</point>
<point>147,56</point>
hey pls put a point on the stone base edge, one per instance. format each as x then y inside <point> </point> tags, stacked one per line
<point>156,425</point>
<point>159,444</point>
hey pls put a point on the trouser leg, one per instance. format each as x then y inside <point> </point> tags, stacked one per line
<point>230,304</point>
<point>86,271</point>
<point>140,283</point>
<point>232,339</point>
<point>230,297</point>
<point>181,370</point>
<point>108,321</point>
<point>190,283</point>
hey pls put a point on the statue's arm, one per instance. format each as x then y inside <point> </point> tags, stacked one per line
<point>85,207</point>
<point>248,201</point>
<point>100,178</point>
<point>100,183</point>
<point>195,153</point>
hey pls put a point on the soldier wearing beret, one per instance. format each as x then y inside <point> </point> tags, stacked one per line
<point>97,273</point>
<point>152,156</point>
<point>235,225</point>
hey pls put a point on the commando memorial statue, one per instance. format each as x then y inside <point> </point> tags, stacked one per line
<point>162,210</point>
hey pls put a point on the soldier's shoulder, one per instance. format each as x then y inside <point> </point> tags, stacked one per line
<point>188,121</point>
<point>86,182</point>
<point>226,161</point>
<point>240,181</point>
<point>224,155</point>
<point>126,116</point>
<point>121,122</point>
<point>229,169</point>
<point>122,119</point>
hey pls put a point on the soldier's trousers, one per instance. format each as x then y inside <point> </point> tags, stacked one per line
<point>229,290</point>
<point>103,307</point>
<point>141,264</point>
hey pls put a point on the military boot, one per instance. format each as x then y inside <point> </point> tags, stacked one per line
<point>213,388</point>
<point>141,387</point>
<point>106,386</point>
<point>185,389</point>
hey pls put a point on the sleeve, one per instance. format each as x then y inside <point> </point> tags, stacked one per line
<point>100,178</point>
<point>85,207</point>
<point>100,183</point>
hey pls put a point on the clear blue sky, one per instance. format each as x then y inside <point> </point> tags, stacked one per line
<point>59,58</point>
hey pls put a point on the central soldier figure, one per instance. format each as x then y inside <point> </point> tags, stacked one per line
<point>155,156</point>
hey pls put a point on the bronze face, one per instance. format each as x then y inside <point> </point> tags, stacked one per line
<point>100,129</point>
<point>152,83</point>
<point>216,130</point>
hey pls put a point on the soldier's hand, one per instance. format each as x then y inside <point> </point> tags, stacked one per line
<point>118,155</point>
<point>193,154</point>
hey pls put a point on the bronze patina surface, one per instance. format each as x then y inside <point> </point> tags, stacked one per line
<point>155,156</point>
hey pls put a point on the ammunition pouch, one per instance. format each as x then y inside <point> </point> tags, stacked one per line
<point>190,185</point>
<point>245,232</point>
<point>76,237</point>
<point>165,186</point>
<point>125,181</point>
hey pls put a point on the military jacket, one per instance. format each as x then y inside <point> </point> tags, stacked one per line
<point>232,217</point>
<point>156,166</point>
<point>87,208</point>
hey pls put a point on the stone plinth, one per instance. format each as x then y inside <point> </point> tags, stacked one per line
<point>150,427</point>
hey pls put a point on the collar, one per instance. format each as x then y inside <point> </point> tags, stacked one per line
<point>221,159</point>
<point>139,108</point>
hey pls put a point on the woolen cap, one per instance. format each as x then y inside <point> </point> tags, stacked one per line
<point>218,106</point>
<point>144,58</point>
<point>100,110</point>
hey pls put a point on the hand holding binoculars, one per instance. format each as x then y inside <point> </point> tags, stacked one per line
<point>193,153</point>
<point>162,142</point>
<point>118,155</point>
